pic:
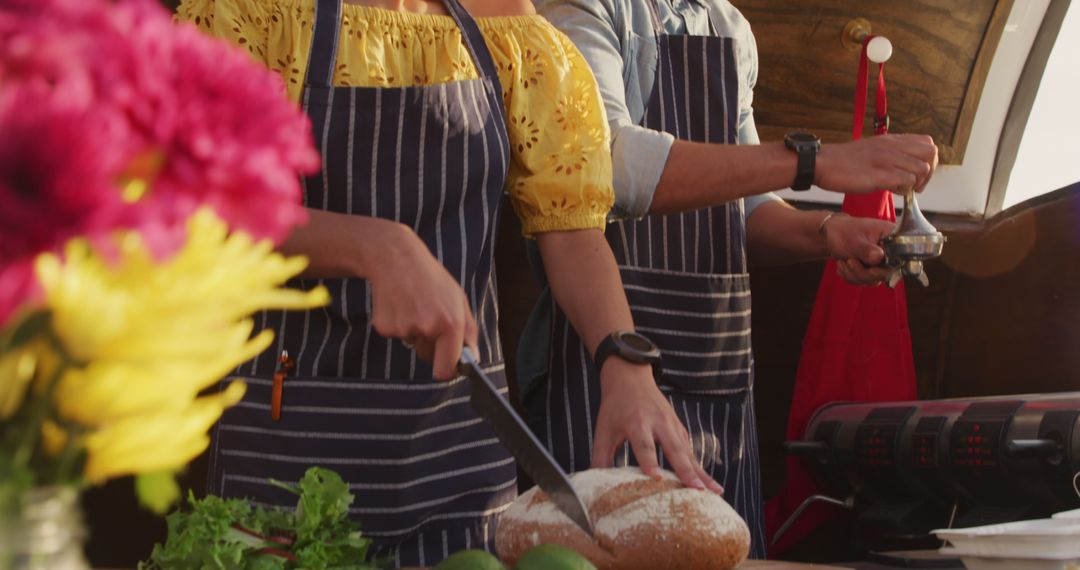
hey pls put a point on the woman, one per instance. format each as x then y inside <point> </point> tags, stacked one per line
<point>424,116</point>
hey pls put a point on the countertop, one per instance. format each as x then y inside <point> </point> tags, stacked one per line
<point>780,565</point>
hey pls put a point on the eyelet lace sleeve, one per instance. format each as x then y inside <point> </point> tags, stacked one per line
<point>561,175</point>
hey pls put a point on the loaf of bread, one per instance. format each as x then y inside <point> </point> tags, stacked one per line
<point>639,524</point>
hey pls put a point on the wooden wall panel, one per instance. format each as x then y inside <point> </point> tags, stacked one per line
<point>942,52</point>
<point>1011,324</point>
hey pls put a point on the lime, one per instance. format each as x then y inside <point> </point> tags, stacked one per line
<point>553,557</point>
<point>471,560</point>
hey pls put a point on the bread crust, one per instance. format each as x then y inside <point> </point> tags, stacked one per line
<point>639,523</point>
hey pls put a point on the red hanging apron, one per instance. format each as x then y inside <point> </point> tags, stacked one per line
<point>857,346</point>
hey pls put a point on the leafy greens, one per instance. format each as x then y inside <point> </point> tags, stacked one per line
<point>232,534</point>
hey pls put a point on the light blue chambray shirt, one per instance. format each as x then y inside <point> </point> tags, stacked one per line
<point>617,39</point>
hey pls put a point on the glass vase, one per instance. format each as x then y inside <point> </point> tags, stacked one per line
<point>44,531</point>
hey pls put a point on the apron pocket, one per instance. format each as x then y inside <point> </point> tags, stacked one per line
<point>701,322</point>
<point>411,451</point>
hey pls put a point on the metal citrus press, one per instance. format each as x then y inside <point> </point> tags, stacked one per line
<point>913,241</point>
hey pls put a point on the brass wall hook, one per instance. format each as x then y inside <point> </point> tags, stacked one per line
<point>854,33</point>
<point>880,48</point>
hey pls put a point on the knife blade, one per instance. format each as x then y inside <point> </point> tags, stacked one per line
<point>522,444</point>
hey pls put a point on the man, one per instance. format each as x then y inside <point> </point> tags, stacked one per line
<point>677,80</point>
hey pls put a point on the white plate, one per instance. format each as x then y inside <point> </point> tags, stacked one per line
<point>1068,515</point>
<point>1043,539</point>
<point>983,563</point>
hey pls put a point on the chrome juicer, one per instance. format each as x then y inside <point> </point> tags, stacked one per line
<point>913,241</point>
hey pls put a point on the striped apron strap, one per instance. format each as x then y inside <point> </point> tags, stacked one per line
<point>658,25</point>
<point>324,40</point>
<point>654,15</point>
<point>474,41</point>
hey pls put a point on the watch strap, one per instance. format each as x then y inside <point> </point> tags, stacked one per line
<point>805,146</point>
<point>804,172</point>
<point>606,349</point>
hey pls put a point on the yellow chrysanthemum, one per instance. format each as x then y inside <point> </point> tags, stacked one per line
<point>156,442</point>
<point>140,339</point>
<point>151,442</point>
<point>148,336</point>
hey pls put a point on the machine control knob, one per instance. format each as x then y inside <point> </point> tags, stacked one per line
<point>1048,449</point>
<point>817,449</point>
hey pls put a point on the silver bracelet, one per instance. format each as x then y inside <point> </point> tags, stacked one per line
<point>825,220</point>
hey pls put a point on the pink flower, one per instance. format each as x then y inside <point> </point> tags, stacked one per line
<point>134,84</point>
<point>94,93</point>
<point>230,138</point>
<point>17,289</point>
<point>58,172</point>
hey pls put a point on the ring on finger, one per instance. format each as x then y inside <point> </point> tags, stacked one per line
<point>409,343</point>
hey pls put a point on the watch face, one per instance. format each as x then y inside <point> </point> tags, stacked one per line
<point>802,137</point>
<point>637,342</point>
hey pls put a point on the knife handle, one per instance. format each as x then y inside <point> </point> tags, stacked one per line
<point>466,360</point>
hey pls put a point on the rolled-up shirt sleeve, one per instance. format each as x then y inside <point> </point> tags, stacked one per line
<point>638,155</point>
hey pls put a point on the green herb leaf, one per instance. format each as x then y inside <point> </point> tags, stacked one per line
<point>231,534</point>
<point>157,491</point>
<point>324,533</point>
<point>323,497</point>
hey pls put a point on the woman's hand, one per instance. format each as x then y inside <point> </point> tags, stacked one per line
<point>415,299</point>
<point>586,283</point>
<point>633,409</point>
<point>855,245</point>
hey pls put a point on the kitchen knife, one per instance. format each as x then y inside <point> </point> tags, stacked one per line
<point>523,445</point>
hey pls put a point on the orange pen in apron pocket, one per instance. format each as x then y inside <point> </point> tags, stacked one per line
<point>285,366</point>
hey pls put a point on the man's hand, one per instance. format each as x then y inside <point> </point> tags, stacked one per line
<point>415,299</point>
<point>891,162</point>
<point>854,243</point>
<point>633,409</point>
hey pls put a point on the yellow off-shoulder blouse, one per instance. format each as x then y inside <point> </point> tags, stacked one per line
<point>560,176</point>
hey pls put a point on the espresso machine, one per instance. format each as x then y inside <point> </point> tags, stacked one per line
<point>906,468</point>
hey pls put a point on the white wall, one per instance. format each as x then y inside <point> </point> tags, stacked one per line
<point>1049,154</point>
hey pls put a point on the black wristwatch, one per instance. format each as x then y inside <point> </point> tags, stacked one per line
<point>805,145</point>
<point>631,347</point>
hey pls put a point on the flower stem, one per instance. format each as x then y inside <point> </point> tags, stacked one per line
<point>67,457</point>
<point>39,410</point>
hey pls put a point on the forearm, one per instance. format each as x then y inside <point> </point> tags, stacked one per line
<point>343,245</point>
<point>699,175</point>
<point>585,281</point>
<point>778,234</point>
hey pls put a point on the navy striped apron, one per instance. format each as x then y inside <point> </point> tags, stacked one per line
<point>429,476</point>
<point>686,279</point>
